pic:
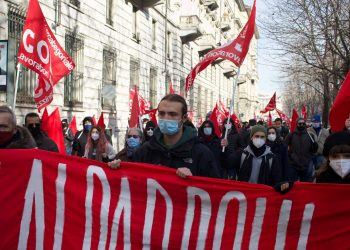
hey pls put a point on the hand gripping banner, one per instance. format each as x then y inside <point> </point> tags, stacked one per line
<point>50,201</point>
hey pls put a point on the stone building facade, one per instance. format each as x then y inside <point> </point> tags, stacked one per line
<point>117,44</point>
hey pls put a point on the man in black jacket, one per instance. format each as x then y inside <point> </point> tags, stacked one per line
<point>33,124</point>
<point>301,148</point>
<point>175,145</point>
<point>11,135</point>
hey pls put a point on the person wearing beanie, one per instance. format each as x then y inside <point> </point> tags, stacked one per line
<point>257,164</point>
<point>321,135</point>
<point>301,147</point>
<point>337,166</point>
<point>148,131</point>
<point>81,137</point>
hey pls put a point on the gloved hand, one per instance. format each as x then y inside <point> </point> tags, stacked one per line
<point>284,187</point>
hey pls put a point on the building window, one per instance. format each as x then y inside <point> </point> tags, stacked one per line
<point>169,46</point>
<point>134,30</point>
<point>153,87</point>
<point>27,80</point>
<point>109,12</point>
<point>154,34</point>
<point>76,3</point>
<point>211,99</point>
<point>109,78</point>
<point>73,84</point>
<point>182,86</point>
<point>134,74</point>
<point>199,102</point>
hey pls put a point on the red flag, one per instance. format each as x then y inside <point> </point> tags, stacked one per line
<point>269,122</point>
<point>135,111</point>
<point>214,118</point>
<point>41,52</point>
<point>171,89</point>
<point>93,120</point>
<point>152,115</point>
<point>44,121</point>
<point>224,109</point>
<point>73,125</point>
<point>283,116</point>
<point>143,104</point>
<point>236,121</point>
<point>234,51</point>
<point>295,116</point>
<point>340,110</point>
<point>55,130</point>
<point>101,122</point>
<point>190,115</point>
<point>304,112</point>
<point>271,105</point>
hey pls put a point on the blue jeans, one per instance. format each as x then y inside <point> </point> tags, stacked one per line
<point>305,175</point>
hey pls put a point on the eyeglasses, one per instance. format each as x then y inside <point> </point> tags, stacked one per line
<point>302,123</point>
<point>150,128</point>
<point>34,125</point>
<point>133,136</point>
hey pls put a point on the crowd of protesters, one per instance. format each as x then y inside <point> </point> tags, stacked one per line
<point>251,152</point>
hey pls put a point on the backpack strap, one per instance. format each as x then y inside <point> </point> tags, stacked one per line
<point>244,156</point>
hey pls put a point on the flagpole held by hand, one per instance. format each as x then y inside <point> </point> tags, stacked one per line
<point>231,105</point>
<point>16,86</point>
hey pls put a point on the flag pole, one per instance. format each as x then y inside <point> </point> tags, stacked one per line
<point>231,104</point>
<point>16,86</point>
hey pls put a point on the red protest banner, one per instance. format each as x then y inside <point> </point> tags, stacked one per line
<point>50,201</point>
<point>41,52</point>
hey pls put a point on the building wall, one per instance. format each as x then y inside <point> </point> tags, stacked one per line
<point>89,23</point>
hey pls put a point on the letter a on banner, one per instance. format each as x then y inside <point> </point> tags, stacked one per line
<point>41,52</point>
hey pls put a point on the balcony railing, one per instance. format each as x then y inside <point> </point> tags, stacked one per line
<point>224,23</point>
<point>211,4</point>
<point>142,4</point>
<point>206,43</point>
<point>190,28</point>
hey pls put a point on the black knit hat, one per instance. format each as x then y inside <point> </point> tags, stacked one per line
<point>88,118</point>
<point>339,138</point>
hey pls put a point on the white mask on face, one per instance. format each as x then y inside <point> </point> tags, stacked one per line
<point>95,136</point>
<point>258,142</point>
<point>271,137</point>
<point>341,167</point>
<point>149,132</point>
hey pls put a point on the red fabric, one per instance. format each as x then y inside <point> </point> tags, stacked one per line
<point>269,121</point>
<point>68,192</point>
<point>143,104</point>
<point>73,125</point>
<point>135,111</point>
<point>54,130</point>
<point>304,112</point>
<point>101,121</point>
<point>283,116</point>
<point>234,51</point>
<point>190,115</point>
<point>236,121</point>
<point>340,110</point>
<point>44,121</point>
<point>295,116</point>
<point>224,109</point>
<point>271,105</point>
<point>93,120</point>
<point>214,117</point>
<point>41,52</point>
<point>171,89</point>
<point>152,115</point>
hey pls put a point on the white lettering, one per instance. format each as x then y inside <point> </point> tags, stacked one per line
<point>34,192</point>
<point>27,47</point>
<point>305,226</point>
<point>42,44</point>
<point>260,209</point>
<point>283,224</point>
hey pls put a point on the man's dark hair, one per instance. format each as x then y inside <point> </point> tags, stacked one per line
<point>31,115</point>
<point>278,120</point>
<point>176,98</point>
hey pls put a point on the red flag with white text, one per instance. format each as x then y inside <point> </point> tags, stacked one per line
<point>340,110</point>
<point>271,105</point>
<point>236,121</point>
<point>41,52</point>
<point>224,109</point>
<point>235,51</point>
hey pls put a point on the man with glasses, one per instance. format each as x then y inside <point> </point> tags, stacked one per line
<point>301,148</point>
<point>133,142</point>
<point>33,124</point>
<point>175,145</point>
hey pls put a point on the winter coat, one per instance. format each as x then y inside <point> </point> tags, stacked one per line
<point>280,150</point>
<point>187,152</point>
<point>300,148</point>
<point>79,143</point>
<point>21,139</point>
<point>265,167</point>
<point>329,176</point>
<point>45,143</point>
<point>321,138</point>
<point>109,151</point>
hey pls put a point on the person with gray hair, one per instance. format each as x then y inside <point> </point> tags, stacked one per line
<point>133,140</point>
<point>11,135</point>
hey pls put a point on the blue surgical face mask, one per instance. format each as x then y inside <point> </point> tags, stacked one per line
<point>168,127</point>
<point>207,131</point>
<point>316,124</point>
<point>87,127</point>
<point>133,142</point>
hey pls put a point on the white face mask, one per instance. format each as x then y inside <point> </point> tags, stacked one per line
<point>341,167</point>
<point>95,136</point>
<point>271,137</point>
<point>149,132</point>
<point>258,142</point>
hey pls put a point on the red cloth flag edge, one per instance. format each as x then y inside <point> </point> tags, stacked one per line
<point>235,51</point>
<point>304,111</point>
<point>294,120</point>
<point>271,105</point>
<point>214,118</point>
<point>101,122</point>
<point>269,122</point>
<point>73,125</point>
<point>135,111</point>
<point>171,89</point>
<point>340,110</point>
